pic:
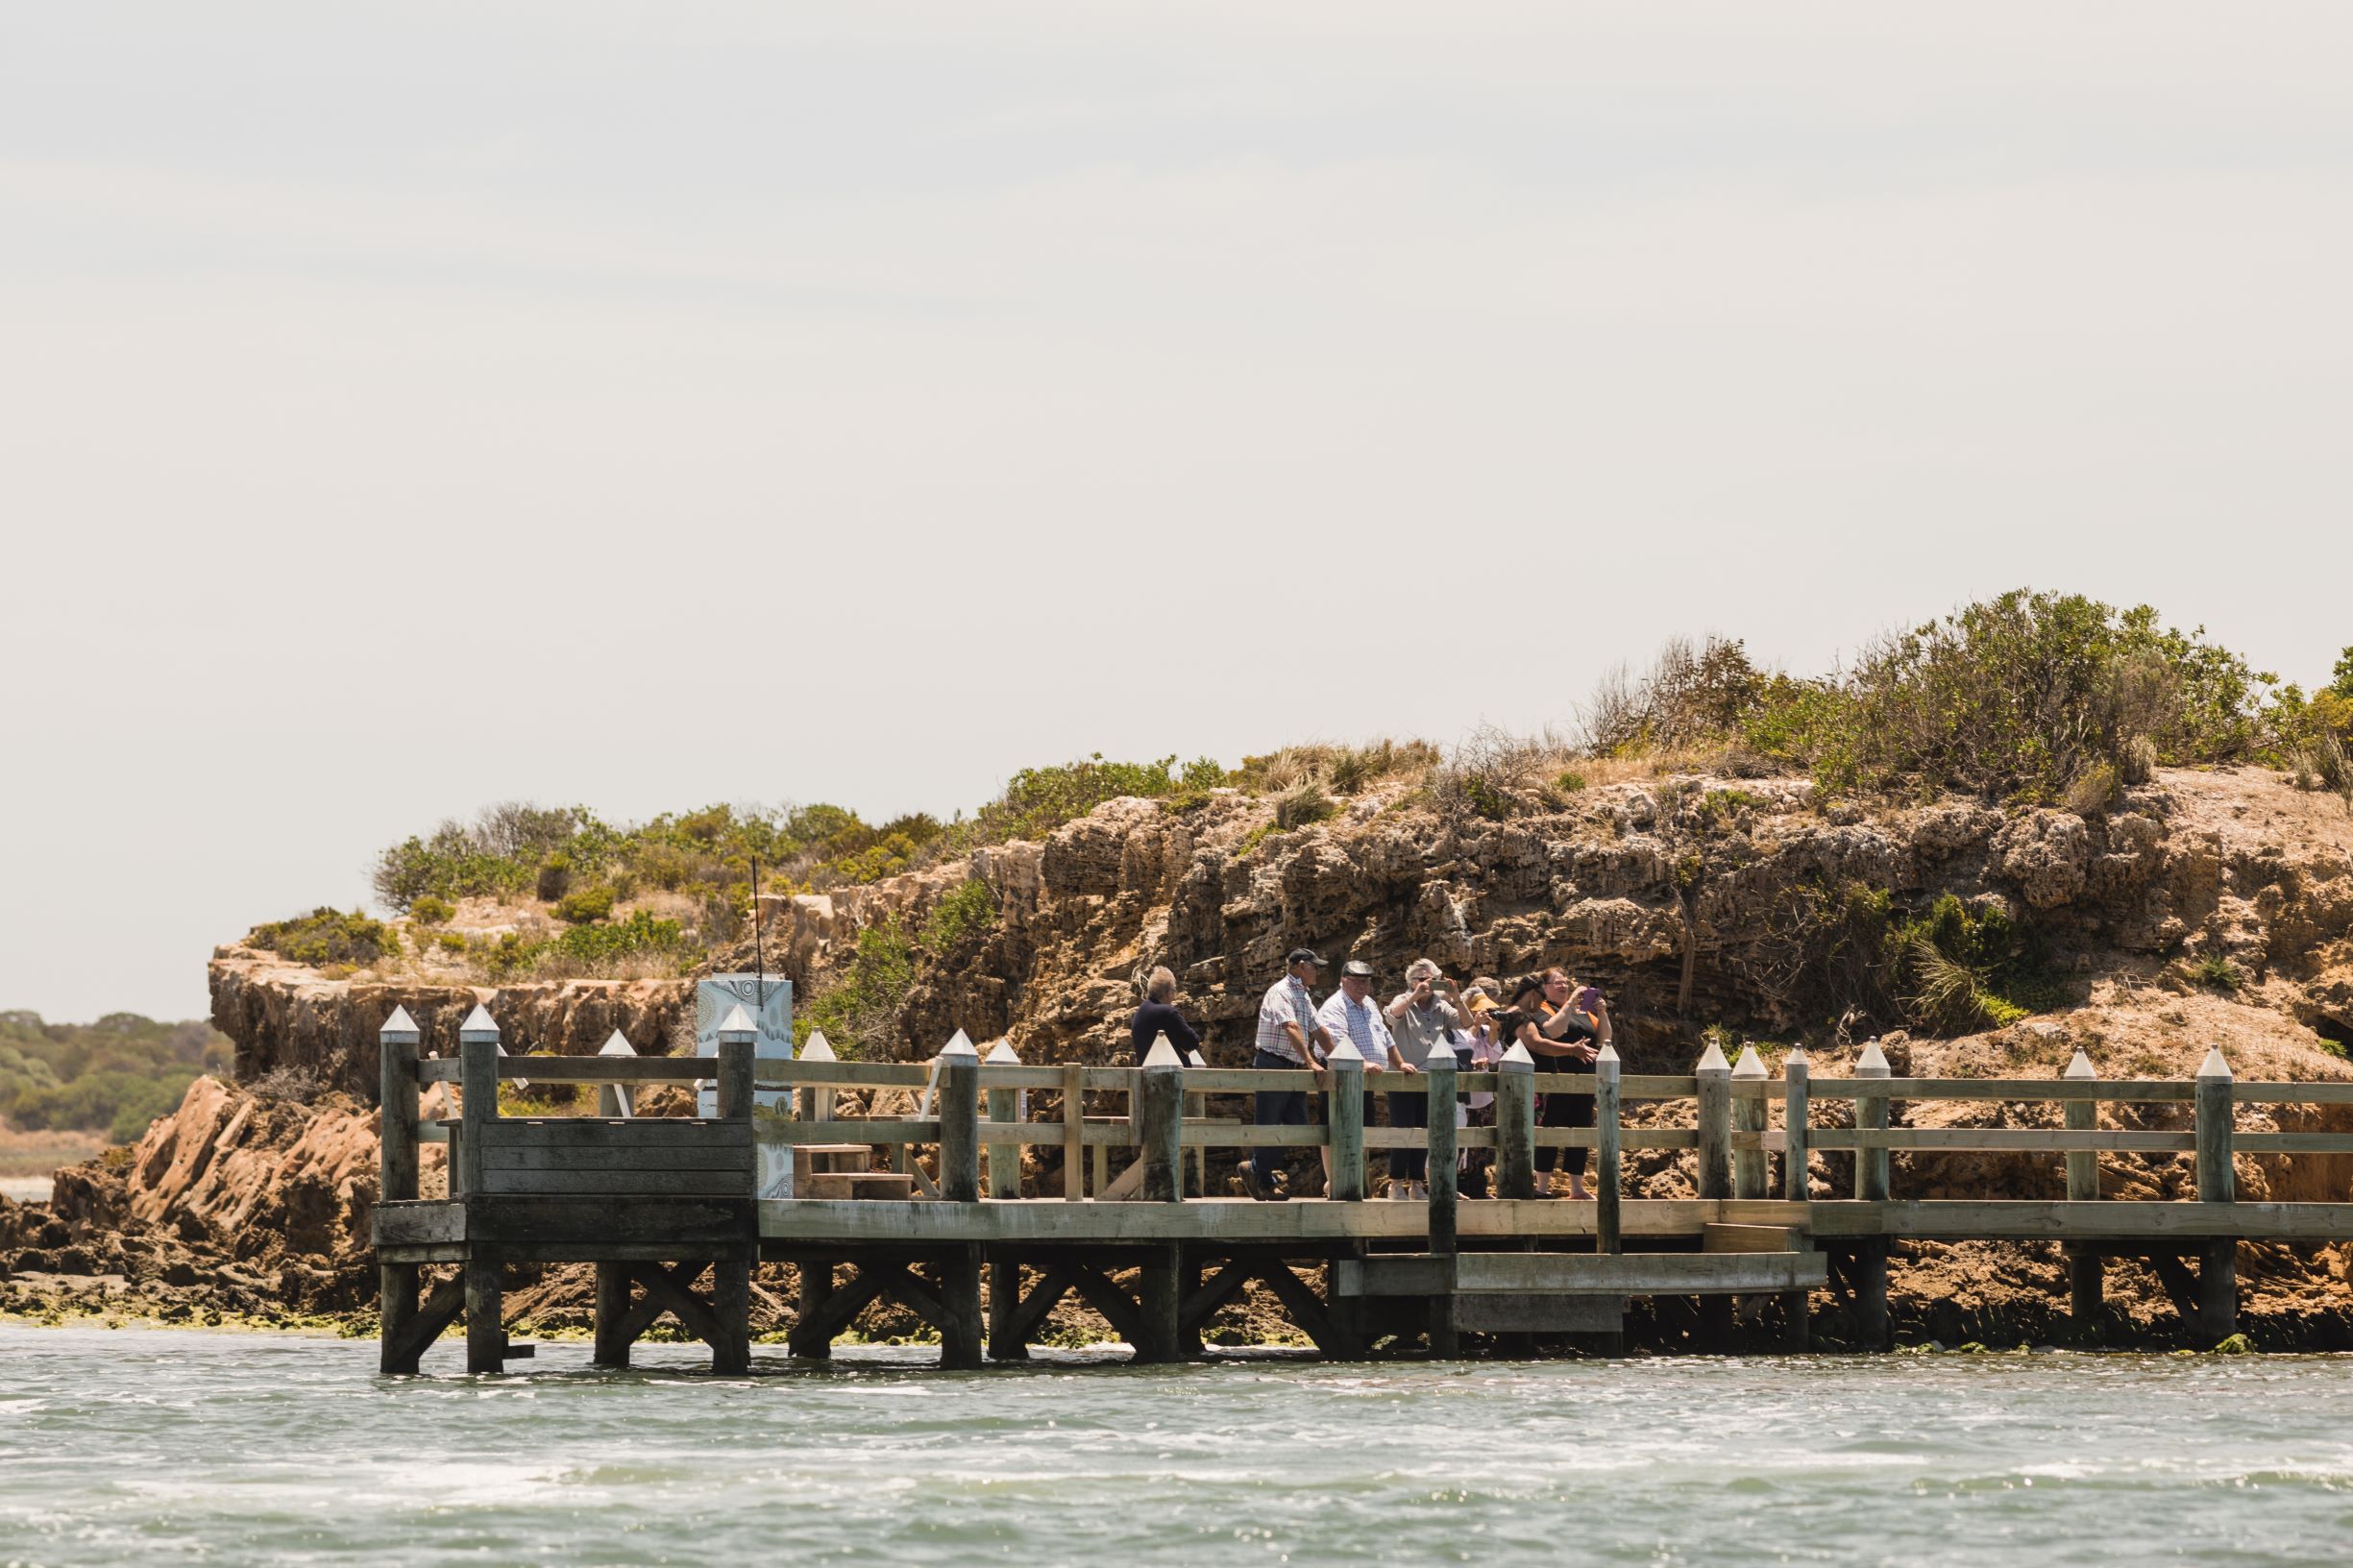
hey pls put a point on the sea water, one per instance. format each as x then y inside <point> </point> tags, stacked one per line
<point>151,1446</point>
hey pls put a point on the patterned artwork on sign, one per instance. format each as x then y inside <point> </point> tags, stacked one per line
<point>770,1006</point>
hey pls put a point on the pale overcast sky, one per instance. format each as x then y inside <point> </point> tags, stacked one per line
<point>405,408</point>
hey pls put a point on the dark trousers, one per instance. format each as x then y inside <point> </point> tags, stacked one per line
<point>1566,1111</point>
<point>1275,1107</point>
<point>1409,1110</point>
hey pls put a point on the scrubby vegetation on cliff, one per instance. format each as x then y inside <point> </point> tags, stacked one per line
<point>2029,699</point>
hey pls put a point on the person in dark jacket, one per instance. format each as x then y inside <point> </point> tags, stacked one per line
<point>1158,1016</point>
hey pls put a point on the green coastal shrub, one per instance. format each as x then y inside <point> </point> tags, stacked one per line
<point>859,1011</point>
<point>326,935</point>
<point>584,905</point>
<point>960,918</point>
<point>431,909</point>
<point>1948,969</point>
<point>2026,697</point>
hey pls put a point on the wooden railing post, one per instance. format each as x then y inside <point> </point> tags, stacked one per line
<point>1438,1075</point>
<point>1196,1104</point>
<point>1795,1093</point>
<point>1160,1112</point>
<point>1871,1181</point>
<point>959,1107</point>
<point>817,1099</point>
<point>2085,1268</point>
<point>736,1036</point>
<point>2218,1279</point>
<point>396,1154</point>
<point>1749,1115</point>
<point>614,1100</point>
<point>1797,1072</point>
<point>1516,1124</point>
<point>1073,1133</point>
<point>1871,1164</point>
<point>478,1089</point>
<point>1346,1122</point>
<point>1004,1105</point>
<point>396,1174</point>
<point>1607,1117</point>
<point>1715,1096</point>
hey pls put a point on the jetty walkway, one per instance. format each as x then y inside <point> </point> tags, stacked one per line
<point>657,1202</point>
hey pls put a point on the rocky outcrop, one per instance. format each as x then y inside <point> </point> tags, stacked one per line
<point>286,1018</point>
<point>1691,900</point>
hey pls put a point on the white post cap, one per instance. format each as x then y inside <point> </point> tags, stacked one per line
<point>736,1028</point>
<point>1712,1060</point>
<point>960,1044</point>
<point>1796,1058</point>
<point>2214,1067</point>
<point>478,1026</point>
<point>1873,1063</point>
<point>2081,1067</point>
<point>617,1045</point>
<point>1608,1059</point>
<point>1343,1055</point>
<point>1194,1059</point>
<point>1750,1064</point>
<point>1003,1054</point>
<point>399,1027</point>
<point>1517,1060</point>
<point>818,1048</point>
<point>1161,1057</point>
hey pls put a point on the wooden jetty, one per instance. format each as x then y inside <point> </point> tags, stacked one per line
<point>656,1203</point>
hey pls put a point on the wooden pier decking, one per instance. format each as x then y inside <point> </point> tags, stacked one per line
<point>655,1203</point>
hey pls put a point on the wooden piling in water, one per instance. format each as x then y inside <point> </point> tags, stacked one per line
<point>1871,1181</point>
<point>1438,1076</point>
<point>2217,1183</point>
<point>396,1178</point>
<point>1005,1342</point>
<point>1796,1078</point>
<point>2085,1266</point>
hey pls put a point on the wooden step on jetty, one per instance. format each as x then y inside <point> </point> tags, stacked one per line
<point>922,1209</point>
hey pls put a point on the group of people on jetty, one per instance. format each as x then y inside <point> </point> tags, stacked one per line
<point>1563,1025</point>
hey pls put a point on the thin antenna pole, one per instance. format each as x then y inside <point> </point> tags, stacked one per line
<point>759,947</point>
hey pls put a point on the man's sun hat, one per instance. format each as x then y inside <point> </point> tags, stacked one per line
<point>1304,955</point>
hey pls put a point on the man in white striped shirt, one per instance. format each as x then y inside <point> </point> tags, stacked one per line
<point>1289,1038</point>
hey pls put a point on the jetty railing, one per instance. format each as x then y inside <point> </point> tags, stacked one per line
<point>644,1188</point>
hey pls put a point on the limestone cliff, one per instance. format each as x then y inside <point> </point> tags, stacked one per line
<point>1691,901</point>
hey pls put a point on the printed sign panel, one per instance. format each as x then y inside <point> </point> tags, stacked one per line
<point>770,1002</point>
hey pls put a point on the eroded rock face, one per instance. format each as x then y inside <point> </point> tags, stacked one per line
<point>286,1018</point>
<point>2047,855</point>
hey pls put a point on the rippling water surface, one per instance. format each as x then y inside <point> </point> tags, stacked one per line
<point>137,1446</point>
